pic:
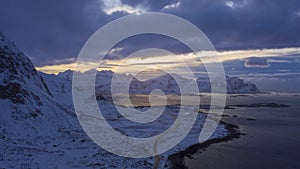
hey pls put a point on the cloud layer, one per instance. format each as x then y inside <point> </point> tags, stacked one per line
<point>113,6</point>
<point>51,32</point>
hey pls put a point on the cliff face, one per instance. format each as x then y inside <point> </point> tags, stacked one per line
<point>29,113</point>
<point>19,81</point>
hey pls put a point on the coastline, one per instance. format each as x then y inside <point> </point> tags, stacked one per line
<point>177,159</point>
<point>258,116</point>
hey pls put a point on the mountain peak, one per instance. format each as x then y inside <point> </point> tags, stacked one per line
<point>19,79</point>
<point>7,46</point>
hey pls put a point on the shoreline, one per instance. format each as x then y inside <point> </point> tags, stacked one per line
<point>177,159</point>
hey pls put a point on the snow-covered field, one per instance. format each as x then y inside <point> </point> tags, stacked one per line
<point>50,141</point>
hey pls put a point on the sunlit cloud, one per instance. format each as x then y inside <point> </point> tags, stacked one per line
<point>173,61</point>
<point>111,6</point>
<point>236,3</point>
<point>115,50</point>
<point>115,53</point>
<point>281,61</point>
<point>229,4</point>
<point>64,61</point>
<point>242,54</point>
<point>171,6</point>
<point>54,69</point>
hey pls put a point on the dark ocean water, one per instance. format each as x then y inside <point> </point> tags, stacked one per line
<point>272,137</point>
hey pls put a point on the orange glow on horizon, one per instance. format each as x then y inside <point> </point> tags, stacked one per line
<point>167,61</point>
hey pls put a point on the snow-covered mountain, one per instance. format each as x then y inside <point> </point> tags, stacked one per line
<point>23,88</point>
<point>19,75</point>
<point>39,128</point>
<point>32,121</point>
<point>167,83</point>
<point>60,87</point>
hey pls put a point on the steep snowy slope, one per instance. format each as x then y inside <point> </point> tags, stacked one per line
<point>60,87</point>
<point>23,88</point>
<point>17,74</point>
<point>29,116</point>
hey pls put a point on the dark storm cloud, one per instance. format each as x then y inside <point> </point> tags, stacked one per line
<point>144,41</point>
<point>251,24</point>
<point>50,31</point>
<point>256,62</point>
<point>53,32</point>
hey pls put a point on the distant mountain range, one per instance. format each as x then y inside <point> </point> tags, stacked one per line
<point>166,83</point>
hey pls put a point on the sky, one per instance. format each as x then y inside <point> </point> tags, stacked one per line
<point>252,37</point>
